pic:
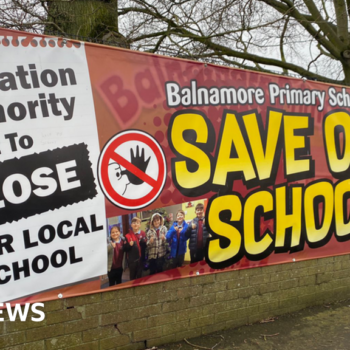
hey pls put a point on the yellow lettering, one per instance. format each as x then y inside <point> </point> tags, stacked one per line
<point>337,165</point>
<point>317,231</point>
<point>263,159</point>
<point>293,142</point>
<point>217,254</point>
<point>284,220</point>
<point>185,178</point>
<point>254,246</point>
<point>342,228</point>
<point>225,164</point>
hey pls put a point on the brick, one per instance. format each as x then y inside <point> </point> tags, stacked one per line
<point>131,326</point>
<point>130,315</point>
<point>286,303</point>
<point>202,300</point>
<point>175,305</point>
<point>299,273</point>
<point>315,270</point>
<point>147,311</point>
<point>259,299</point>
<point>227,295</point>
<point>99,333</point>
<point>238,283</point>
<point>252,271</point>
<point>188,314</point>
<point>38,345</point>
<point>212,309</point>
<point>324,277</point>
<point>63,341</point>
<point>307,280</point>
<point>271,269</point>
<point>176,284</point>
<point>290,293</point>
<point>237,303</point>
<point>306,264</point>
<point>173,328</point>
<point>160,320</point>
<point>337,266</point>
<point>268,287</point>
<point>189,291</point>
<point>162,297</point>
<point>262,279</point>
<point>225,316</point>
<point>214,287</point>
<point>223,276</point>
<point>133,302</point>
<point>81,325</point>
<point>340,274</point>
<point>237,322</point>
<point>115,317</point>
<point>62,316</point>
<point>54,305</point>
<point>12,339</point>
<point>45,332</point>
<point>202,321</point>
<point>306,299</point>
<point>280,276</point>
<point>149,289</point>
<point>325,261</point>
<point>101,308</point>
<point>114,342</point>
<point>21,326</point>
<point>118,294</point>
<point>148,333</point>
<point>290,265</point>
<point>83,300</point>
<point>289,284</point>
<point>247,292</point>
<point>270,306</point>
<point>207,279</point>
<point>88,346</point>
<point>345,264</point>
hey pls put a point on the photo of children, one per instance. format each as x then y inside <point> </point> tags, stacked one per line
<point>198,234</point>
<point>146,243</point>
<point>177,239</point>
<point>134,247</point>
<point>156,244</point>
<point>115,253</point>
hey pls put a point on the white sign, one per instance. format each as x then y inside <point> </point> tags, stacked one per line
<point>52,213</point>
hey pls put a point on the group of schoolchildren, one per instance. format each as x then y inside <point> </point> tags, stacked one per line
<point>140,247</point>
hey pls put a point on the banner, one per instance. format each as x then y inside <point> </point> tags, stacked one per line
<point>120,168</point>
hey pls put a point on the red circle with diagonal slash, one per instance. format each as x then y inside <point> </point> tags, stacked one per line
<point>108,153</point>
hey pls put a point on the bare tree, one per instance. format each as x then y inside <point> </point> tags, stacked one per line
<point>309,38</point>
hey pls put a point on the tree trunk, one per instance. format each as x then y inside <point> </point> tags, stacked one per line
<point>90,20</point>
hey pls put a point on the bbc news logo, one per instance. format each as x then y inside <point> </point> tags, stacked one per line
<point>22,314</point>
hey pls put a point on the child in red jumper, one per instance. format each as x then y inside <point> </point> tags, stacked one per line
<point>135,246</point>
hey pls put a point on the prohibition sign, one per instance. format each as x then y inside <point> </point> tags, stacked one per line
<point>118,150</point>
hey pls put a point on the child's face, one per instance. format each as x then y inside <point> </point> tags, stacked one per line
<point>156,222</point>
<point>180,217</point>
<point>115,234</point>
<point>135,225</point>
<point>200,213</point>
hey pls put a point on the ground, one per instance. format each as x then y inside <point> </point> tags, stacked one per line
<point>316,328</point>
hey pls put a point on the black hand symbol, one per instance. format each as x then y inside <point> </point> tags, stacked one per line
<point>137,159</point>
